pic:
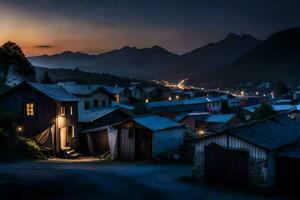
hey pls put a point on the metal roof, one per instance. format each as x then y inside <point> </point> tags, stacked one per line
<point>81,89</point>
<point>55,92</point>
<point>220,118</point>
<point>95,113</point>
<point>156,123</point>
<point>114,90</point>
<point>269,134</point>
<point>85,90</point>
<point>197,100</point>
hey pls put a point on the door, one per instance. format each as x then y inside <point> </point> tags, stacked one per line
<point>126,144</point>
<point>226,167</point>
<point>63,133</point>
<point>143,144</point>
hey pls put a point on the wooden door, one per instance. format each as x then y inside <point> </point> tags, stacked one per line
<point>63,133</point>
<point>143,144</point>
<point>226,167</point>
<point>126,144</point>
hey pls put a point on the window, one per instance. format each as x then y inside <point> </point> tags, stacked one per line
<point>103,103</point>
<point>96,103</point>
<point>86,105</point>
<point>71,110</point>
<point>29,109</point>
<point>62,110</point>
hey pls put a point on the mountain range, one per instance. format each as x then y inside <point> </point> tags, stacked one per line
<point>276,59</point>
<point>233,60</point>
<point>155,62</point>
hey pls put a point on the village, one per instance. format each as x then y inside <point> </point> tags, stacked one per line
<point>158,100</point>
<point>234,141</point>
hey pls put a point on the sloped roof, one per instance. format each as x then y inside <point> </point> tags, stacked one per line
<point>270,134</point>
<point>114,90</point>
<point>85,90</point>
<point>285,107</point>
<point>81,89</point>
<point>95,113</point>
<point>53,91</point>
<point>251,108</point>
<point>149,89</point>
<point>164,103</point>
<point>220,118</point>
<point>156,123</point>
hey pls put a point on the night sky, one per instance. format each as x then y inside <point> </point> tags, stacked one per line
<point>95,26</point>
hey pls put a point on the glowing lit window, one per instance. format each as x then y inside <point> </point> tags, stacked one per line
<point>71,110</point>
<point>62,111</point>
<point>29,109</point>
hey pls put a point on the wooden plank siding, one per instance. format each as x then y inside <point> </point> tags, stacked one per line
<point>126,144</point>
<point>231,142</point>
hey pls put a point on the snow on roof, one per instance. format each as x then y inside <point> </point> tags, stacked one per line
<point>156,123</point>
<point>55,92</point>
<point>220,118</point>
<point>95,113</point>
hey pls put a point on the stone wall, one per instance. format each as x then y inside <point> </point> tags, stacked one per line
<point>198,166</point>
<point>258,171</point>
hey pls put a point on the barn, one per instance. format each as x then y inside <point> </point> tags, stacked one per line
<point>148,137</point>
<point>248,155</point>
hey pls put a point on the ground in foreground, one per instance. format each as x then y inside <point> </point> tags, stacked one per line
<point>106,180</point>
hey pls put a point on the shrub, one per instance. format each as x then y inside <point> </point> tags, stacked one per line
<point>263,112</point>
<point>141,108</point>
<point>28,148</point>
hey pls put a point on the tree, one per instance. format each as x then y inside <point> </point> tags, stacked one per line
<point>141,108</point>
<point>281,89</point>
<point>262,112</point>
<point>12,54</point>
<point>47,79</point>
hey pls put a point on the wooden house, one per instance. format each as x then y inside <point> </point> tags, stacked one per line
<point>148,137</point>
<point>247,156</point>
<point>121,94</point>
<point>209,122</point>
<point>46,113</point>
<point>90,96</point>
<point>137,92</point>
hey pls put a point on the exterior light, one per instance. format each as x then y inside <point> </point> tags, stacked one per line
<point>256,93</point>
<point>147,100</point>
<point>177,97</point>
<point>202,132</point>
<point>170,98</point>
<point>242,93</point>
<point>20,129</point>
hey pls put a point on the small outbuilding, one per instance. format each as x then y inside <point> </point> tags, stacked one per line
<point>148,137</point>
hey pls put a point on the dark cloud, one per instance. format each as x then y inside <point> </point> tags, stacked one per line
<point>44,46</point>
